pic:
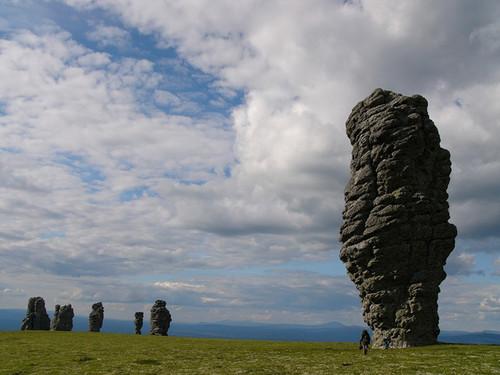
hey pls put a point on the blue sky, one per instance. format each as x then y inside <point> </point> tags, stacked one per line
<point>196,151</point>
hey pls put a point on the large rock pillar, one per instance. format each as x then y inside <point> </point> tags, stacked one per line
<point>396,236</point>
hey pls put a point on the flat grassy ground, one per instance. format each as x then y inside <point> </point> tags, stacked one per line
<point>98,353</point>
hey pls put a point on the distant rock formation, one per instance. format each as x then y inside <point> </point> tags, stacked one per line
<point>160,318</point>
<point>138,321</point>
<point>396,236</point>
<point>96,317</point>
<point>63,318</point>
<point>55,319</point>
<point>36,316</point>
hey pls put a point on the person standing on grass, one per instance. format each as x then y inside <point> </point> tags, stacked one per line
<point>387,343</point>
<point>364,342</point>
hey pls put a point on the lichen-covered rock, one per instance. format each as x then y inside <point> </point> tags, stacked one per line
<point>36,316</point>
<point>396,236</point>
<point>160,318</point>
<point>138,321</point>
<point>63,318</point>
<point>96,317</point>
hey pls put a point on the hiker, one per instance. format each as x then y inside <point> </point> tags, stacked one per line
<point>364,342</point>
<point>387,343</point>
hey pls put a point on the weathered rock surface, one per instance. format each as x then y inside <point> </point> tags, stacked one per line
<point>396,236</point>
<point>96,317</point>
<point>160,318</point>
<point>63,318</point>
<point>36,316</point>
<point>138,321</point>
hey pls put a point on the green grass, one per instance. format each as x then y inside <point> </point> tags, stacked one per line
<point>97,353</point>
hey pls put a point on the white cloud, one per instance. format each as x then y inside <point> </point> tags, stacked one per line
<point>468,306</point>
<point>174,285</point>
<point>12,292</point>
<point>94,60</point>
<point>462,264</point>
<point>109,36</point>
<point>166,98</point>
<point>75,126</point>
<point>304,67</point>
<point>490,304</point>
<point>175,103</point>
<point>488,37</point>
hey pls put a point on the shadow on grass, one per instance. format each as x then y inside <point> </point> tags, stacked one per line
<point>84,358</point>
<point>147,362</point>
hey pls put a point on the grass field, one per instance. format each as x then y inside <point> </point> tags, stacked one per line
<point>86,353</point>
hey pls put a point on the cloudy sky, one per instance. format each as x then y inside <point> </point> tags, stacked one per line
<point>195,151</point>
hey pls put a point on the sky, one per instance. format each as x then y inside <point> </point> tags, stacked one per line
<point>195,151</point>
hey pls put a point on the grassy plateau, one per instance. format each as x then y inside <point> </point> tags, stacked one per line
<point>39,352</point>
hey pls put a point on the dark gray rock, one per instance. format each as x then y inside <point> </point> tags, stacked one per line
<point>96,317</point>
<point>63,318</point>
<point>36,316</point>
<point>160,318</point>
<point>138,321</point>
<point>396,236</point>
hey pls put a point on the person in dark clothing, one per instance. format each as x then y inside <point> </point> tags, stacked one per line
<point>387,343</point>
<point>364,342</point>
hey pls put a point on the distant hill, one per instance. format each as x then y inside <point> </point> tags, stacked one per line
<point>460,337</point>
<point>329,332</point>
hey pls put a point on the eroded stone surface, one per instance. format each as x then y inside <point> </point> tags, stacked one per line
<point>396,236</point>
<point>63,318</point>
<point>160,318</point>
<point>36,316</point>
<point>96,317</point>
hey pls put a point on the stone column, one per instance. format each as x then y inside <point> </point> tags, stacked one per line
<point>396,235</point>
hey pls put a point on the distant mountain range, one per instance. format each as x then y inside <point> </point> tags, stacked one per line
<point>10,320</point>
